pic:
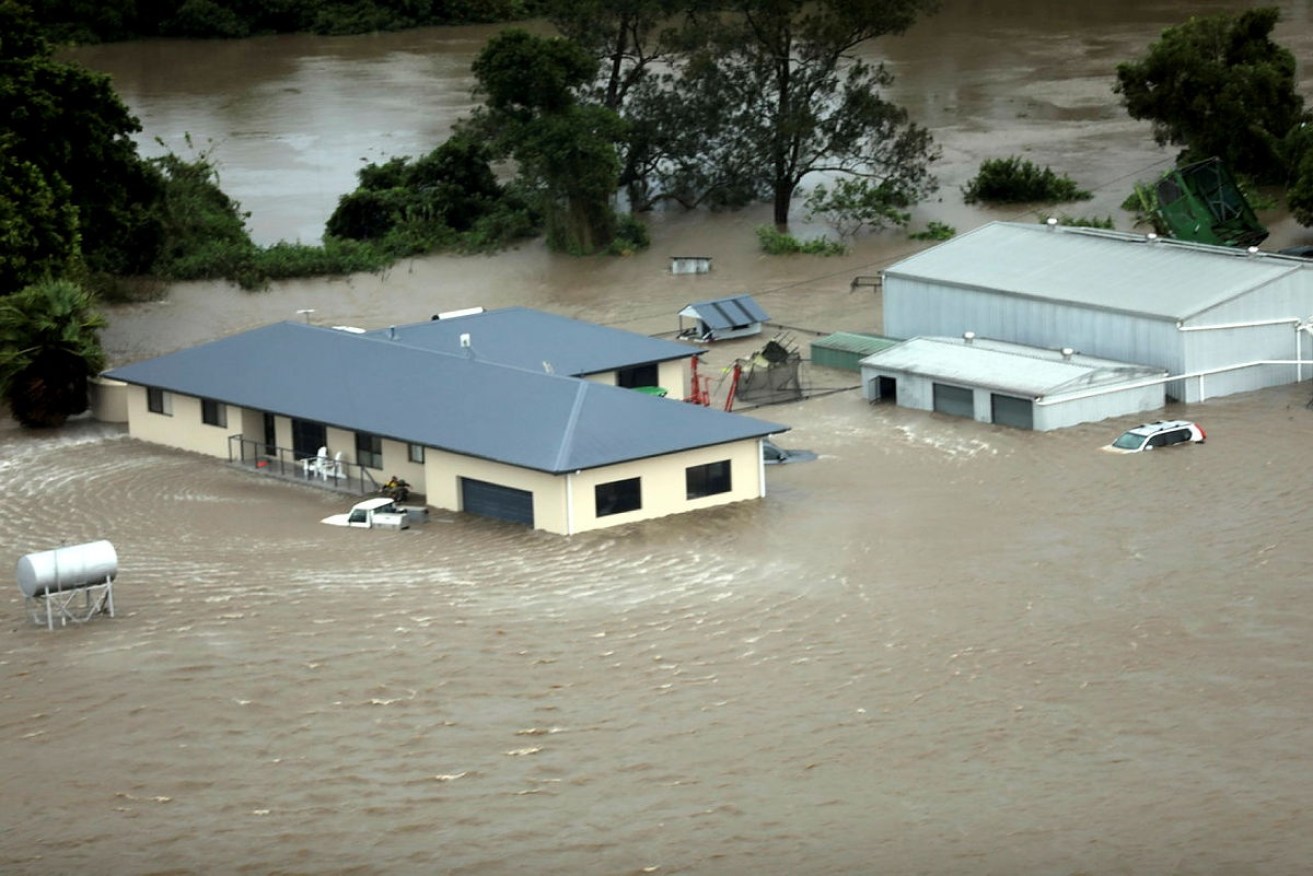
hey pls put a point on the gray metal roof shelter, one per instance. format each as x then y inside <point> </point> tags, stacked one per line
<point>1059,387</point>
<point>734,316</point>
<point>1109,270</point>
<point>370,384</point>
<point>528,338</point>
<point>1223,320</point>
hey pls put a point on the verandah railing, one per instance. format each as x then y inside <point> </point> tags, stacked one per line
<point>328,471</point>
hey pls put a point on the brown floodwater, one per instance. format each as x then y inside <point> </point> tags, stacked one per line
<point>944,647</point>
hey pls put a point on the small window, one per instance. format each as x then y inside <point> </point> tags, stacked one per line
<point>415,452</point>
<point>158,401</point>
<point>707,480</point>
<point>640,375</point>
<point>214,413</point>
<point>369,450</point>
<point>618,497</point>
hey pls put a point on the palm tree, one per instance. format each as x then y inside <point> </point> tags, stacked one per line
<point>49,346</point>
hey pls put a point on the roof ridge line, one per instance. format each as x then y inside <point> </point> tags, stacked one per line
<point>567,438</point>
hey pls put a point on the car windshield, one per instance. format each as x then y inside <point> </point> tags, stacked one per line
<point>1129,441</point>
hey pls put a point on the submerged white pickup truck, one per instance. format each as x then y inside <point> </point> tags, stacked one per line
<point>381,513</point>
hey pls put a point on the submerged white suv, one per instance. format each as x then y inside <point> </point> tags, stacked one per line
<point>1163,433</point>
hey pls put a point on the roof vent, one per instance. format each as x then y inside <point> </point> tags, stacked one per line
<point>1151,237</point>
<point>1068,352</point>
<point>392,332</point>
<point>1051,222</point>
<point>968,336</point>
<point>465,340</point>
<point>1253,250</point>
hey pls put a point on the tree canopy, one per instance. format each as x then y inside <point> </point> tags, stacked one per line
<point>69,135</point>
<point>565,151</point>
<point>743,100</point>
<point>1219,86</point>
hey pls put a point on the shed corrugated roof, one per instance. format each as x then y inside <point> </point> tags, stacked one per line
<point>369,384</point>
<point>855,342</point>
<point>726,313</point>
<point>1106,269</point>
<point>529,338</point>
<point>1030,372</point>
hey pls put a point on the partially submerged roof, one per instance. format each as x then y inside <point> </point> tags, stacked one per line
<point>1030,372</point>
<point>538,341</point>
<point>465,405</point>
<point>722,314</point>
<point>1107,269</point>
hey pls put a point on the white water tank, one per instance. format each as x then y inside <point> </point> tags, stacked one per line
<point>67,568</point>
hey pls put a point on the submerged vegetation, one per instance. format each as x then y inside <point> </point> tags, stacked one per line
<point>776,242</point>
<point>1014,180</point>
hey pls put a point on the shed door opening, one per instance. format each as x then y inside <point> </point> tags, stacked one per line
<point>496,501</point>
<point>955,400</point>
<point>1007,410</point>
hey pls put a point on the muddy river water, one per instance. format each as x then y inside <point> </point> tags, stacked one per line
<point>943,647</point>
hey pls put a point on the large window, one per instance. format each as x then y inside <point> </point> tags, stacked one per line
<point>158,401</point>
<point>618,497</point>
<point>707,480</point>
<point>369,450</point>
<point>214,413</point>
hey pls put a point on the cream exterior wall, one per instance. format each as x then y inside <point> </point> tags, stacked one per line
<point>563,504</point>
<point>183,429</point>
<point>566,504</point>
<point>672,374</point>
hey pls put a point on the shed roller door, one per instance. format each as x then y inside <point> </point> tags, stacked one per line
<point>1011,411</point>
<point>496,501</point>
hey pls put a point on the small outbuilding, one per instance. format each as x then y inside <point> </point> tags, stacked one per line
<point>737,316</point>
<point>1009,384</point>
<point>846,350</point>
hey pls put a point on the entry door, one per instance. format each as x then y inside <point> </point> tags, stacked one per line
<point>307,437</point>
<point>496,501</point>
<point>270,435</point>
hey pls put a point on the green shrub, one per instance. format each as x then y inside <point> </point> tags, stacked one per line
<point>1086,222</point>
<point>776,242</point>
<point>934,231</point>
<point>1017,181</point>
<point>631,235</point>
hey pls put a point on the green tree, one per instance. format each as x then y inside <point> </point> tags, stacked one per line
<point>1218,86</point>
<point>49,346</point>
<point>69,125</point>
<point>565,151</point>
<point>778,93</point>
<point>38,224</point>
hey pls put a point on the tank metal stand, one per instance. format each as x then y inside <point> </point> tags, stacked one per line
<point>61,604</point>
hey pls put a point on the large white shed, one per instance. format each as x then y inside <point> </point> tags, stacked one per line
<point>1009,384</point>
<point>1218,320</point>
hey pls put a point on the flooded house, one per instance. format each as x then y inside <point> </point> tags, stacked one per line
<point>516,415</point>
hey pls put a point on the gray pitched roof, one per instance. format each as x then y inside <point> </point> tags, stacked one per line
<point>1106,269</point>
<point>727,313</point>
<point>529,338</point>
<point>369,384</point>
